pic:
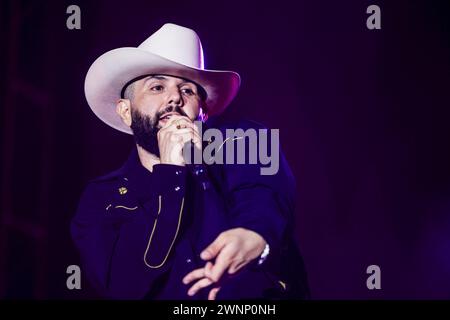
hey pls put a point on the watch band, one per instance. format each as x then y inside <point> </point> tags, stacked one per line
<point>264,255</point>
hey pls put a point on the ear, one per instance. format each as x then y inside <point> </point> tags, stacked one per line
<point>123,109</point>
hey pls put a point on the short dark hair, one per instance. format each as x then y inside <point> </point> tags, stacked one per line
<point>128,93</point>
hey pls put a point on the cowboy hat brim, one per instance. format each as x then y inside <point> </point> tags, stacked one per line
<point>114,69</point>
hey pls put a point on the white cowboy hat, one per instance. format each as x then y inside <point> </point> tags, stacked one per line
<point>172,50</point>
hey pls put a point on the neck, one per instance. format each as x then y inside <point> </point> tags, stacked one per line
<point>148,159</point>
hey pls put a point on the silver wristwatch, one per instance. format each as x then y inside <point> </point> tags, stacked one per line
<point>264,255</point>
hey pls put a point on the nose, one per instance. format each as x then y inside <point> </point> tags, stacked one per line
<point>175,98</point>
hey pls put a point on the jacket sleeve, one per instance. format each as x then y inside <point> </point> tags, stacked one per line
<point>125,253</point>
<point>258,202</point>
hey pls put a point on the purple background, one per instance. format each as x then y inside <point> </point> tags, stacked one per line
<point>363,118</point>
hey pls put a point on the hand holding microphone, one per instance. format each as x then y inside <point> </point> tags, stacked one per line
<point>173,136</point>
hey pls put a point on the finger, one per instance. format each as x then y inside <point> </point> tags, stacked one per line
<point>177,119</point>
<point>196,127</point>
<point>185,122</point>
<point>178,128</point>
<point>222,262</point>
<point>184,136</point>
<point>204,282</point>
<point>188,130</point>
<point>208,268</point>
<point>197,140</point>
<point>194,275</point>
<point>181,124</point>
<point>213,293</point>
<point>186,133</point>
<point>213,249</point>
<point>173,124</point>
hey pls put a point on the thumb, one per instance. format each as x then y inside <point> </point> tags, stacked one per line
<point>213,249</point>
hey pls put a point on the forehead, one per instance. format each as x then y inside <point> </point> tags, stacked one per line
<point>164,78</point>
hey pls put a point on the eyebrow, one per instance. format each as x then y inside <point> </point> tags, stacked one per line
<point>156,77</point>
<point>150,77</point>
<point>163,78</point>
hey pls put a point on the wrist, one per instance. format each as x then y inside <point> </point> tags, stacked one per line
<point>174,162</point>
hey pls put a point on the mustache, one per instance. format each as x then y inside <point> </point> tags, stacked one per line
<point>170,109</point>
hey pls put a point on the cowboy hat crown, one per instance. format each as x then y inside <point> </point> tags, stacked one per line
<point>182,46</point>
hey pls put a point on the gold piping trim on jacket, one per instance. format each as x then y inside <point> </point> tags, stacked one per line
<point>109,206</point>
<point>153,230</point>
<point>123,207</point>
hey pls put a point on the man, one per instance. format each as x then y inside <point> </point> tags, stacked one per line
<point>158,228</point>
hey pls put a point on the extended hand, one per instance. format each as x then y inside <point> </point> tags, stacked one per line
<point>232,250</point>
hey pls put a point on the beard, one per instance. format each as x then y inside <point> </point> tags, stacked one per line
<point>145,128</point>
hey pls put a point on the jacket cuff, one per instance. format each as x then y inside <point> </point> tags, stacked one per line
<point>171,178</point>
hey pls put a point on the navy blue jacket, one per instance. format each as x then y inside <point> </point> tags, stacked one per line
<point>139,232</point>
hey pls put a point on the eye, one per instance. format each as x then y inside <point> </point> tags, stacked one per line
<point>156,88</point>
<point>188,91</point>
